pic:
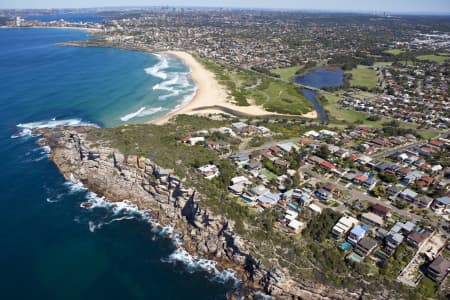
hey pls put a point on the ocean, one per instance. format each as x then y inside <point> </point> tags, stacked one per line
<point>50,247</point>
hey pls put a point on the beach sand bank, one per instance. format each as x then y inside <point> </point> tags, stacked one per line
<point>211,97</point>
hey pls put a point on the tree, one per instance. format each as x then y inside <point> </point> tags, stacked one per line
<point>388,177</point>
<point>324,152</point>
<point>379,191</point>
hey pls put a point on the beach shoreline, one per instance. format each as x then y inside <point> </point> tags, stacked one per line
<point>90,30</point>
<point>211,97</point>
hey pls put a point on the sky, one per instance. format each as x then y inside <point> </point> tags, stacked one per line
<point>428,6</point>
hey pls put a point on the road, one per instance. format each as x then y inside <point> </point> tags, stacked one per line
<point>356,194</point>
<point>401,148</point>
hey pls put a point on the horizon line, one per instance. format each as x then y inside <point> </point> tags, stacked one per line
<point>280,9</point>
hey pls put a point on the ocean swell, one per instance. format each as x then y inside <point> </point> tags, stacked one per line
<point>142,112</point>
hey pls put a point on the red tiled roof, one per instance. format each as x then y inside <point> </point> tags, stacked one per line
<point>436,143</point>
<point>187,138</point>
<point>328,165</point>
<point>361,177</point>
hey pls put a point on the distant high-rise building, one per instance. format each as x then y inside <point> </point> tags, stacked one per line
<point>18,21</point>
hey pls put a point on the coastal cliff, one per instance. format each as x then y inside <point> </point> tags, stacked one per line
<point>118,177</point>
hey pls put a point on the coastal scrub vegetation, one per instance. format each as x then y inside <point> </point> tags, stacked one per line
<point>313,255</point>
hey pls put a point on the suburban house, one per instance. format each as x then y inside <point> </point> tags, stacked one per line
<point>441,204</point>
<point>268,200</point>
<point>372,219</point>
<point>365,246</point>
<point>357,233</point>
<point>424,201</point>
<point>296,226</point>
<point>392,241</point>
<point>417,238</point>
<point>381,210</point>
<point>209,171</point>
<point>302,198</point>
<point>194,140</point>
<point>219,145</point>
<point>438,269</point>
<point>323,194</point>
<point>408,195</point>
<point>343,226</point>
<point>258,190</point>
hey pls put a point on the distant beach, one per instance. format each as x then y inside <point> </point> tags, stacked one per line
<point>211,97</point>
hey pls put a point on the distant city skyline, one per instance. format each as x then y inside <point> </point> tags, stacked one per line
<point>399,6</point>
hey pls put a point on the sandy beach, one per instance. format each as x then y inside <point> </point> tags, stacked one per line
<point>211,97</point>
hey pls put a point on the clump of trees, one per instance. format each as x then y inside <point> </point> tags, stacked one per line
<point>319,228</point>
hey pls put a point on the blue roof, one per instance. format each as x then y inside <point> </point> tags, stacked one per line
<point>444,200</point>
<point>358,231</point>
<point>371,180</point>
<point>269,198</point>
<point>294,206</point>
<point>365,227</point>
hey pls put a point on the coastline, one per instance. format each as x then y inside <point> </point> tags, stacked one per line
<point>211,97</point>
<point>165,201</point>
<point>88,29</point>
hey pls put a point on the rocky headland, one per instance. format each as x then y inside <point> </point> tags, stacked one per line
<point>119,177</point>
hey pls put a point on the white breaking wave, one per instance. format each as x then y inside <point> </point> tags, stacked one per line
<point>142,112</point>
<point>174,83</point>
<point>157,70</point>
<point>194,263</point>
<point>26,128</point>
<point>177,84</point>
<point>186,99</point>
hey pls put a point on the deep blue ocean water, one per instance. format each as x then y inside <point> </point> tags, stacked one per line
<point>50,248</point>
<point>320,78</point>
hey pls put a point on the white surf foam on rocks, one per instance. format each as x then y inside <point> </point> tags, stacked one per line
<point>194,264</point>
<point>74,185</point>
<point>125,210</point>
<point>25,129</point>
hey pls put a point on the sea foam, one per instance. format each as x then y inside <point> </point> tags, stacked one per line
<point>157,70</point>
<point>194,264</point>
<point>142,112</point>
<point>125,210</point>
<point>25,129</point>
<point>174,84</point>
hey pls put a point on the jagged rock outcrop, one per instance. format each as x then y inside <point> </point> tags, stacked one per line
<point>109,173</point>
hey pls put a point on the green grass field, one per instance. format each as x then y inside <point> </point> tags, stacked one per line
<point>245,86</point>
<point>287,74</point>
<point>363,77</point>
<point>440,59</point>
<point>382,64</point>
<point>395,51</point>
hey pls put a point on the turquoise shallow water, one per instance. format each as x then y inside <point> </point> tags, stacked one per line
<point>109,86</point>
<point>50,248</point>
